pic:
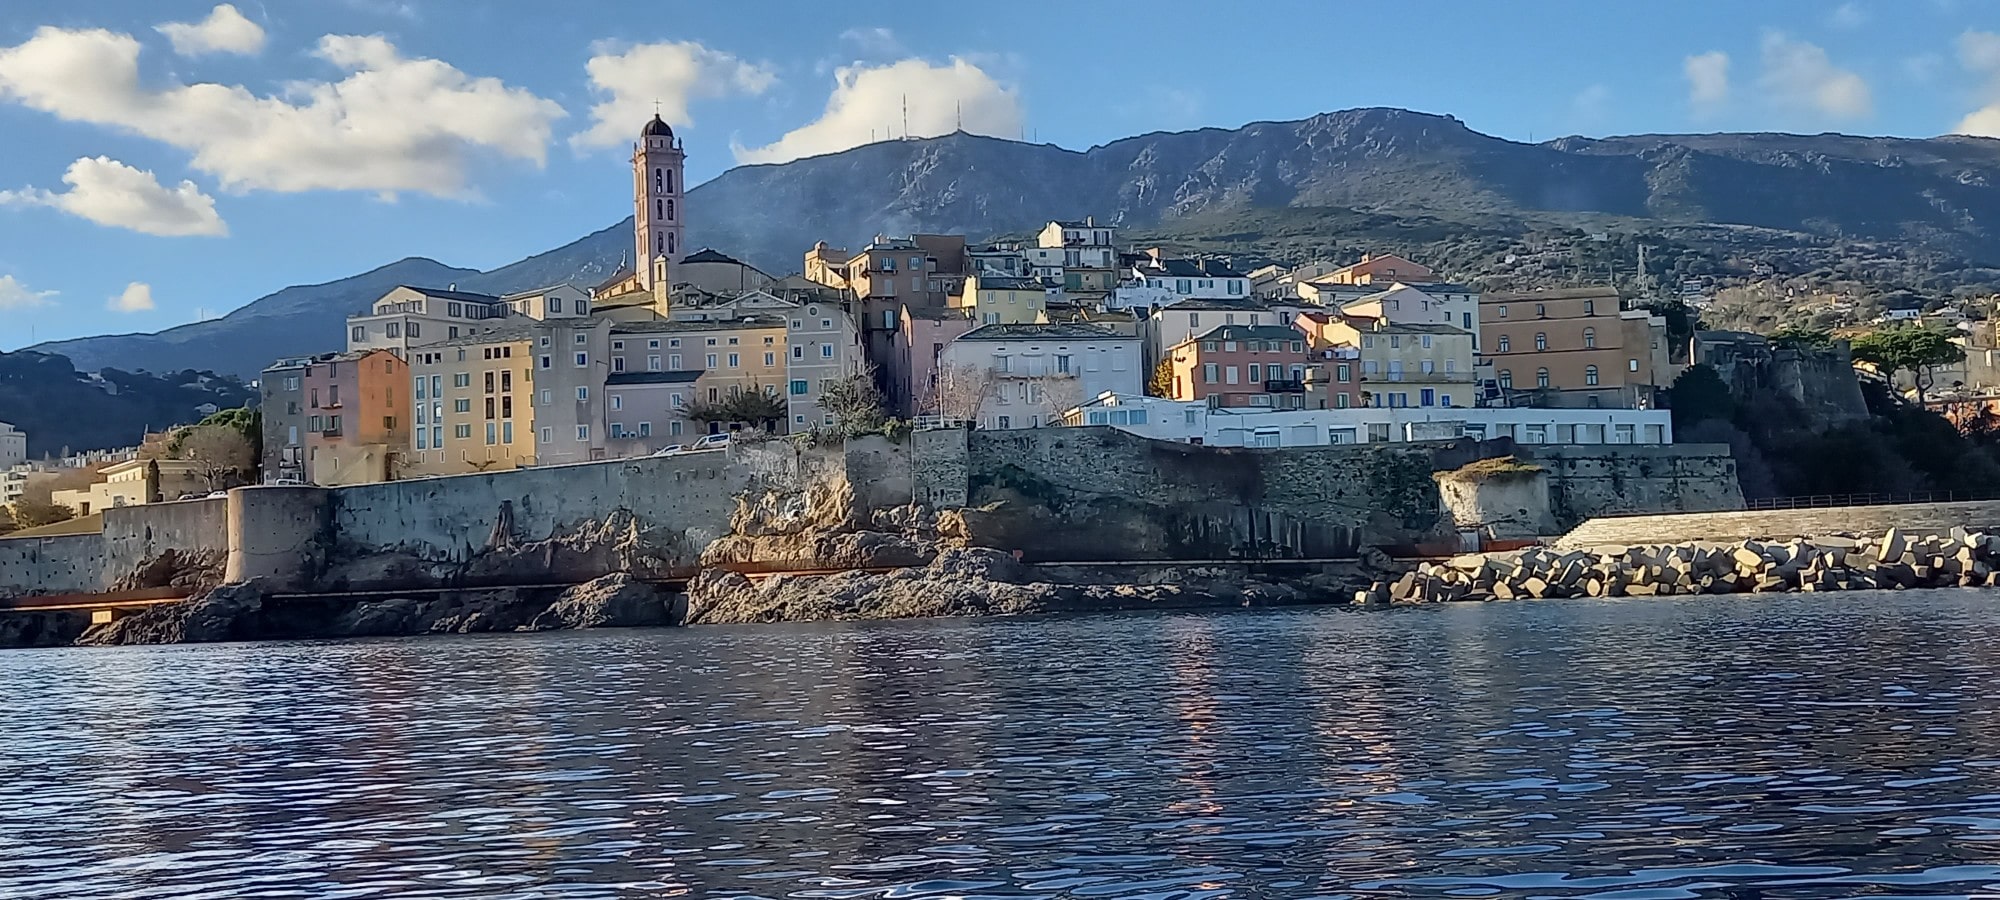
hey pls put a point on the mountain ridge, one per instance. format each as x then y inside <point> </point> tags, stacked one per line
<point>1930,194</point>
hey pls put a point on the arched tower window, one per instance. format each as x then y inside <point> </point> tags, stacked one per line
<point>670,210</point>
<point>670,243</point>
<point>670,181</point>
<point>660,241</point>
<point>658,209</point>
<point>656,182</point>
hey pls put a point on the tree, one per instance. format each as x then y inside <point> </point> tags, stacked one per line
<point>1700,394</point>
<point>1914,349</point>
<point>222,455</point>
<point>1060,394</point>
<point>752,407</point>
<point>1161,383</point>
<point>855,402</point>
<point>28,513</point>
<point>958,391</point>
<point>1802,338</point>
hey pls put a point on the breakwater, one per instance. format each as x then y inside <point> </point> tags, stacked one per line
<point>1892,560</point>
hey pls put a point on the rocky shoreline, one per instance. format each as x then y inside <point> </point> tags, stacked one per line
<point>1893,560</point>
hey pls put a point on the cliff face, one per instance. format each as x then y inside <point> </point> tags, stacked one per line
<point>1935,194</point>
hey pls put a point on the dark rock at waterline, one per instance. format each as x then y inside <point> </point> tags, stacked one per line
<point>614,601</point>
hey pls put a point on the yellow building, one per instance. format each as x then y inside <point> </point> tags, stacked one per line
<point>472,403</point>
<point>129,484</point>
<point>1004,300</point>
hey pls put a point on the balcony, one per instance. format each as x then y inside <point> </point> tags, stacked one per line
<point>1284,387</point>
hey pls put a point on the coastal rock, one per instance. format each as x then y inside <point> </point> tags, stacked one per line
<point>221,614</point>
<point>614,601</point>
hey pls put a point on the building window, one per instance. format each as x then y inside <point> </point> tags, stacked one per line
<point>1343,373</point>
<point>548,435</point>
<point>799,387</point>
<point>617,402</point>
<point>583,433</point>
<point>462,432</point>
<point>1541,378</point>
<point>825,351</point>
<point>1541,310</point>
<point>583,393</point>
<point>798,352</point>
<point>1590,375</point>
<point>735,360</point>
<point>582,360</point>
<point>653,363</point>
<point>1505,344</point>
<point>1632,366</point>
<point>1589,307</point>
<point>1503,312</point>
<point>711,360</point>
<point>462,405</point>
<point>618,364</point>
<point>1507,378</point>
<point>1541,340</point>
<point>1208,373</point>
<point>492,434</point>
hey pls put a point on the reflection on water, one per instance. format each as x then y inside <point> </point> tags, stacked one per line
<point>1644,750</point>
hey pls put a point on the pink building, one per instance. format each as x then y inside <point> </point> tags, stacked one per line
<point>920,342</point>
<point>1242,365</point>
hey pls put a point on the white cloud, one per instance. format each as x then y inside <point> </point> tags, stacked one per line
<point>137,297</point>
<point>391,124</point>
<point>400,10</point>
<point>1798,76</point>
<point>112,193</point>
<point>1848,15</point>
<point>869,101</point>
<point>1591,103</point>
<point>15,295</point>
<point>1708,80</point>
<point>1979,53</point>
<point>873,43</point>
<point>632,79</point>
<point>224,31</point>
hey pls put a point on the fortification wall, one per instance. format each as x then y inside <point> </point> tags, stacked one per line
<point>71,564</point>
<point>135,535</point>
<point>1586,482</point>
<point>556,524</point>
<point>1784,524</point>
<point>1102,494</point>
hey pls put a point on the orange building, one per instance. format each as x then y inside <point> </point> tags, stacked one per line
<point>1379,268</point>
<point>357,414</point>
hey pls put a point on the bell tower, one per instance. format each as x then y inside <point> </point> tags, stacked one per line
<point>657,163</point>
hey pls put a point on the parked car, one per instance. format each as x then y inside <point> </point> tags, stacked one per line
<point>711,442</point>
<point>669,451</point>
<point>215,494</point>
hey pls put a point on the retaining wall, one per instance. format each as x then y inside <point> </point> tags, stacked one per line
<point>1783,524</point>
<point>71,564</point>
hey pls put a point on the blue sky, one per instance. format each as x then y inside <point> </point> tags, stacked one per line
<point>169,160</point>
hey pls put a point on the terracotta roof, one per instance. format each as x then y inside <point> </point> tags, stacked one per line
<point>1050,330</point>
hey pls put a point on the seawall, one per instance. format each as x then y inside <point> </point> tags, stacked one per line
<point>1053,494</point>
<point>1777,525</point>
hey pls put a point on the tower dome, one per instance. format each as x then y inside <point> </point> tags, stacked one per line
<point>657,128</point>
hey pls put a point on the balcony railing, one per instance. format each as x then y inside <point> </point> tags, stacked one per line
<point>1286,386</point>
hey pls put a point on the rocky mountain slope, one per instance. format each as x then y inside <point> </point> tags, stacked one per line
<point>61,408</point>
<point>1935,194</point>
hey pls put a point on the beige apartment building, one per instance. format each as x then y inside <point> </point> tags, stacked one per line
<point>1399,364</point>
<point>992,299</point>
<point>1579,343</point>
<point>470,399</point>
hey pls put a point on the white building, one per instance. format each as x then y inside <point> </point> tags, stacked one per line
<point>13,446</point>
<point>1197,422</point>
<point>1197,278</point>
<point>822,345</point>
<point>408,317</point>
<point>1024,376</point>
<point>1076,245</point>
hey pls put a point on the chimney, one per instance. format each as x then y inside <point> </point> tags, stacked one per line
<point>1090,220</point>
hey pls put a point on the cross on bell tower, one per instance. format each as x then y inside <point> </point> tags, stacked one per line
<point>657,166</point>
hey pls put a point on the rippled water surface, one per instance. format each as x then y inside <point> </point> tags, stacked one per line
<point>1647,750</point>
